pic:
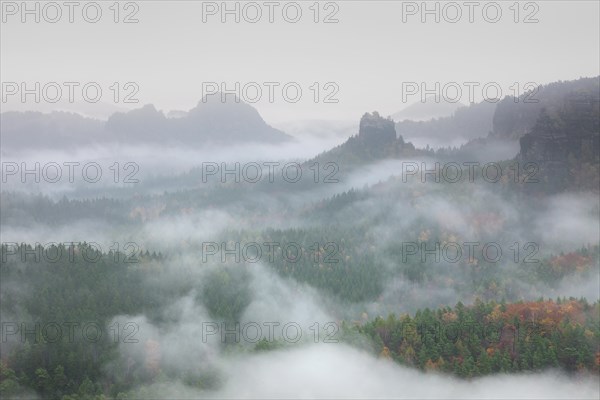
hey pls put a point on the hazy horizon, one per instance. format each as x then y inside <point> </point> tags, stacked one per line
<point>404,203</point>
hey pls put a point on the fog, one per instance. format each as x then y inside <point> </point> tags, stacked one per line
<point>320,200</point>
<point>331,371</point>
<point>306,370</point>
<point>340,371</point>
<point>396,206</point>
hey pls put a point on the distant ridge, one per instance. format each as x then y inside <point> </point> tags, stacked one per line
<point>427,110</point>
<point>210,122</point>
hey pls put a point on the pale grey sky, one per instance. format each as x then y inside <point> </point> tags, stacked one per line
<point>367,55</point>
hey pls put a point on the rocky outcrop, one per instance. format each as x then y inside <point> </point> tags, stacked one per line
<point>565,145</point>
<point>571,135</point>
<point>376,140</point>
<point>376,130</point>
